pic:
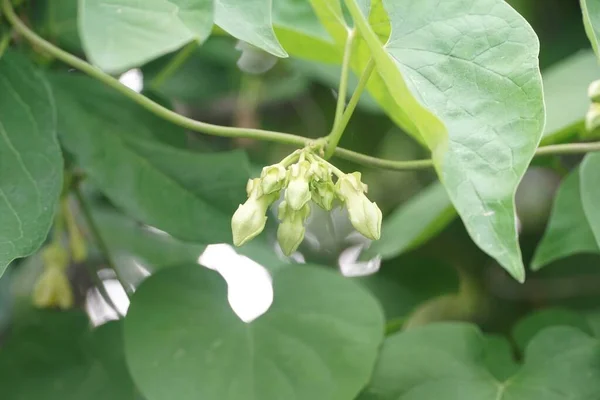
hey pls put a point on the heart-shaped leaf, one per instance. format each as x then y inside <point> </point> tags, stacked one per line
<point>319,340</point>
<point>121,34</point>
<point>58,358</point>
<point>568,231</point>
<point>30,159</point>
<point>467,73</point>
<point>189,195</point>
<point>449,362</point>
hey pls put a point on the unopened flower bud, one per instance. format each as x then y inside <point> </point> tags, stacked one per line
<point>291,229</point>
<point>365,216</point>
<point>53,289</point>
<point>592,118</point>
<point>297,193</point>
<point>56,256</point>
<point>319,171</point>
<point>323,193</point>
<point>250,219</point>
<point>273,178</point>
<point>594,91</point>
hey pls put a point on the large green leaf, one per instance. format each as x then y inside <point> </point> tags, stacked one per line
<point>57,357</point>
<point>590,192</point>
<point>250,21</point>
<point>413,223</point>
<point>121,34</point>
<point>448,362</point>
<point>591,20</point>
<point>565,93</point>
<point>30,159</point>
<point>568,231</point>
<point>468,76</point>
<point>189,195</point>
<point>319,340</point>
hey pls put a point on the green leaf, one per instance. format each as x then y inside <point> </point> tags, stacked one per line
<point>413,223</point>
<point>565,94</point>
<point>189,195</point>
<point>56,20</point>
<point>530,326</point>
<point>448,362</point>
<point>30,159</point>
<point>476,98</point>
<point>57,357</point>
<point>250,21</point>
<point>301,33</point>
<point>568,231</point>
<point>319,340</point>
<point>121,34</point>
<point>591,21</point>
<point>590,192</point>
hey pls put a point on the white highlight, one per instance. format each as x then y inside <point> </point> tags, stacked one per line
<point>133,79</point>
<point>250,289</point>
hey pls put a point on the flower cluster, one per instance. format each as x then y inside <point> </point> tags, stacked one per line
<point>303,177</point>
<point>52,288</point>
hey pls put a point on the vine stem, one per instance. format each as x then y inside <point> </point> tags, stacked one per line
<point>338,130</point>
<point>216,130</point>
<point>343,87</point>
<point>87,213</point>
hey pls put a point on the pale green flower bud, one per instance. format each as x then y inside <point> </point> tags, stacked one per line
<point>249,220</point>
<point>319,171</point>
<point>273,178</point>
<point>594,91</point>
<point>365,216</point>
<point>53,289</point>
<point>592,118</point>
<point>297,193</point>
<point>323,193</point>
<point>291,229</point>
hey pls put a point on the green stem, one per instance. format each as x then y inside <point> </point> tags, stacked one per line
<point>173,65</point>
<point>216,130</point>
<point>338,130</point>
<point>343,87</point>
<point>87,213</point>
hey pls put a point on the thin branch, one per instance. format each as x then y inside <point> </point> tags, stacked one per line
<point>173,65</point>
<point>338,130</point>
<point>87,213</point>
<point>343,87</point>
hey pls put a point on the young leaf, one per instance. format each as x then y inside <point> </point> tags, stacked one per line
<point>467,74</point>
<point>57,358</point>
<point>250,21</point>
<point>319,340</point>
<point>446,361</point>
<point>189,195</point>
<point>121,34</point>
<point>30,159</point>
<point>568,230</point>
<point>590,192</point>
<point>591,21</point>
<point>413,223</point>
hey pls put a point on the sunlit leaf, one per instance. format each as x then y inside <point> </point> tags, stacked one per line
<point>591,21</point>
<point>468,76</point>
<point>319,339</point>
<point>30,159</point>
<point>121,34</point>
